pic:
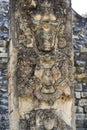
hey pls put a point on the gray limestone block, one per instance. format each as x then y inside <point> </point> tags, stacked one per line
<point>83,102</point>
<point>84,94</point>
<point>79,123</point>
<point>80,63</point>
<point>4,54</point>
<point>2,43</point>
<point>78,95</point>
<point>79,109</point>
<point>85,109</point>
<point>81,128</point>
<point>80,69</point>
<point>83,50</point>
<point>78,86</point>
<point>80,116</point>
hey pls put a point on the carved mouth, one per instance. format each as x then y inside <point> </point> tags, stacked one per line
<point>49,124</point>
<point>45,39</point>
<point>47,46</point>
<point>47,97</point>
<point>48,90</point>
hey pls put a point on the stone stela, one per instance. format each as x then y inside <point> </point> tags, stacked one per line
<point>41,65</point>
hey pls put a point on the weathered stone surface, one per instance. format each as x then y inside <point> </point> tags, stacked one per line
<point>78,95</point>
<point>83,102</point>
<point>80,70</point>
<point>83,50</point>
<point>80,116</point>
<point>41,65</point>
<point>85,109</point>
<point>79,109</point>
<point>80,124</point>
<point>3,54</point>
<point>42,119</point>
<point>4,125</point>
<point>81,129</point>
<point>81,77</point>
<point>84,94</point>
<point>80,64</point>
<point>78,86</point>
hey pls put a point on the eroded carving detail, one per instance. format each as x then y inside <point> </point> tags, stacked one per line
<point>43,120</point>
<point>53,75</point>
<point>43,67</point>
<point>44,62</point>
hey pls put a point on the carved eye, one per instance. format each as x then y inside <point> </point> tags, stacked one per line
<point>45,18</point>
<point>28,1</point>
<point>33,3</point>
<point>37,17</point>
<point>46,27</point>
<point>52,17</point>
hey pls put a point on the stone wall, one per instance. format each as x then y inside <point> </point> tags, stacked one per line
<point>80,46</point>
<point>41,65</point>
<point>80,49</point>
<point>4,28</point>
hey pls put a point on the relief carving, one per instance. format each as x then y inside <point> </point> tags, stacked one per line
<point>43,120</point>
<point>44,63</point>
<point>53,76</point>
<point>43,68</point>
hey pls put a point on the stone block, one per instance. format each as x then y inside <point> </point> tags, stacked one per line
<point>80,116</point>
<point>3,90</point>
<point>80,69</point>
<point>4,60</point>
<point>1,77</point>
<point>3,54</point>
<point>84,89</point>
<point>81,129</point>
<point>2,49</point>
<point>78,95</point>
<point>77,53</point>
<point>83,50</point>
<point>75,37</point>
<point>81,77</point>
<point>79,109</point>
<point>5,82</point>
<point>83,102</point>
<point>2,43</point>
<point>78,86</point>
<point>83,94</point>
<point>85,109</point>
<point>79,123</point>
<point>77,29</point>
<point>80,63</point>
<point>84,84</point>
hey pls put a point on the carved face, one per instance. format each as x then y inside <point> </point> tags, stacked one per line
<point>45,38</point>
<point>43,120</point>
<point>44,26</point>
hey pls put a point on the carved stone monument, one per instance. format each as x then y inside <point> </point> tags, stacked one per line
<point>41,65</point>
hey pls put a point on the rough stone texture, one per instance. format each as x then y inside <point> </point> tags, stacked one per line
<point>80,49</point>
<point>3,64</point>
<point>80,46</point>
<point>41,65</point>
<point>43,119</point>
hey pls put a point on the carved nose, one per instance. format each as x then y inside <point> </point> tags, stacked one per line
<point>46,27</point>
<point>45,18</point>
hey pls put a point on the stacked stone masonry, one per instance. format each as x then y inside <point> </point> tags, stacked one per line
<point>80,83</point>
<point>4,28</point>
